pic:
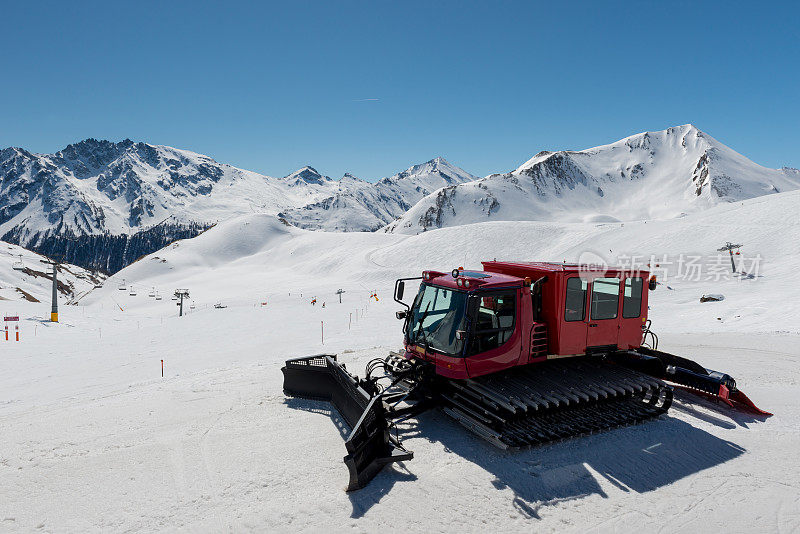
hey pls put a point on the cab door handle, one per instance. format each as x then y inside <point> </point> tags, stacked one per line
<point>592,325</point>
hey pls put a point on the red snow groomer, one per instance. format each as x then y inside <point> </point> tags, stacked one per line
<point>519,353</point>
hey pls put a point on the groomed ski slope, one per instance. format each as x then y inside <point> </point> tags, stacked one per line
<point>94,439</point>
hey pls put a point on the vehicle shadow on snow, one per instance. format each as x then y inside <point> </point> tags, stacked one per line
<point>323,408</point>
<point>363,499</point>
<point>637,459</point>
<point>688,403</point>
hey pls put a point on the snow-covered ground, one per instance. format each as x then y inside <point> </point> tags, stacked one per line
<point>95,439</point>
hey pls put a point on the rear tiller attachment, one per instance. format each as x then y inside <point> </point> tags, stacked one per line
<point>689,375</point>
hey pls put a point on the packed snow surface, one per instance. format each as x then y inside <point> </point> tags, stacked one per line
<point>94,439</point>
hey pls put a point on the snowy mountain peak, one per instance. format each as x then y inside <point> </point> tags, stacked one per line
<point>439,167</point>
<point>10,152</point>
<point>91,145</point>
<point>361,206</point>
<point>307,175</point>
<point>350,178</point>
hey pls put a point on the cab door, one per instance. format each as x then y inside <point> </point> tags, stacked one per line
<point>496,341</point>
<point>633,314</point>
<point>572,339</point>
<point>603,317</point>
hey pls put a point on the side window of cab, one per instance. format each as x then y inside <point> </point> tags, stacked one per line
<point>632,298</point>
<point>605,298</point>
<point>575,300</point>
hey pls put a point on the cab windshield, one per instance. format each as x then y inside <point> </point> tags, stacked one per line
<point>436,314</point>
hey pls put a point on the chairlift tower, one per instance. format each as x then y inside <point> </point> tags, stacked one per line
<point>54,309</point>
<point>181,294</point>
<point>730,247</point>
<point>339,292</point>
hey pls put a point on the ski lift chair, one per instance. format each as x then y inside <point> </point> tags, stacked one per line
<point>18,265</point>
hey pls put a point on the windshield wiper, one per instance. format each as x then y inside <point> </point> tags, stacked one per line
<point>421,330</point>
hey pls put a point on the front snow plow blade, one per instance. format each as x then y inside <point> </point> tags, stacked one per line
<point>689,375</point>
<point>370,445</point>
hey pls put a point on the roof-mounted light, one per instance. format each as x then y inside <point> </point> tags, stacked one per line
<point>430,275</point>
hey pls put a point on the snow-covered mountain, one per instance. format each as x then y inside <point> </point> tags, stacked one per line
<point>99,186</point>
<point>651,175</point>
<point>363,206</point>
<point>104,204</point>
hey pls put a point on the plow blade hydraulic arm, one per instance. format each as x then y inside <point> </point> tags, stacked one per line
<point>690,375</point>
<point>370,445</point>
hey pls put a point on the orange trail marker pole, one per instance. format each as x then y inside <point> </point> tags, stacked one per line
<point>322,331</point>
<point>162,368</point>
<point>16,329</point>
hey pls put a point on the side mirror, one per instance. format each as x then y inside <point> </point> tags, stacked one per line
<point>461,334</point>
<point>401,287</point>
<point>653,283</point>
<point>402,314</point>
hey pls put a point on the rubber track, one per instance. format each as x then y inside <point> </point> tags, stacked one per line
<point>552,401</point>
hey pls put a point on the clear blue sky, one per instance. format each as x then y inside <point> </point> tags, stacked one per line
<point>373,87</point>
